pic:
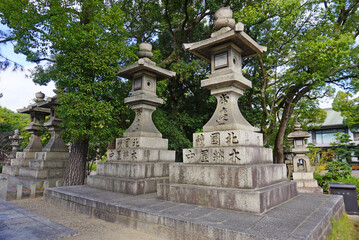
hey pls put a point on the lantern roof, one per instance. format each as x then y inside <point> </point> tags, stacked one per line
<point>228,32</point>
<point>145,64</point>
<point>298,133</point>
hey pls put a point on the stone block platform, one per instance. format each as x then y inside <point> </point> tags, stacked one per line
<point>306,216</point>
<point>17,223</point>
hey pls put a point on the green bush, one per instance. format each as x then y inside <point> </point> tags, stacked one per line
<point>337,172</point>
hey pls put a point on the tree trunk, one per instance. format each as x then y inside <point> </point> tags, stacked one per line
<point>75,172</point>
<point>278,152</point>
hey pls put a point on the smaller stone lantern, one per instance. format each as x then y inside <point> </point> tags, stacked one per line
<point>302,172</point>
<point>14,144</point>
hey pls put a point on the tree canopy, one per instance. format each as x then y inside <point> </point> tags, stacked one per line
<point>311,48</point>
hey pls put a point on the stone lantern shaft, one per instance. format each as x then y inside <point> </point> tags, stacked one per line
<point>37,114</point>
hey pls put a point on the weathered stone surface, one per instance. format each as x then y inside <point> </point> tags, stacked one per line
<point>141,155</point>
<point>128,186</point>
<point>42,164</point>
<point>11,170</point>
<point>228,155</point>
<point>242,177</point>
<point>254,201</point>
<point>306,216</point>
<point>141,142</point>
<point>41,173</point>
<point>232,138</point>
<point>133,170</point>
<point>48,156</point>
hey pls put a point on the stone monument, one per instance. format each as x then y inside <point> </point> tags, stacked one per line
<point>37,114</point>
<point>228,167</point>
<point>302,171</point>
<point>141,157</point>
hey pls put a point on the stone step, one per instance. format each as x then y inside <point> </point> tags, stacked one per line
<point>52,156</point>
<point>310,190</point>
<point>141,155</point>
<point>310,183</point>
<point>41,173</point>
<point>41,164</point>
<point>307,216</point>
<point>133,170</point>
<point>25,155</point>
<point>253,201</point>
<point>11,170</point>
<point>128,186</point>
<point>21,162</point>
<point>26,181</point>
<point>228,176</point>
<point>228,155</point>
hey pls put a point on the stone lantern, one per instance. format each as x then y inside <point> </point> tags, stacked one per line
<point>140,159</point>
<point>56,143</point>
<point>14,143</point>
<point>37,115</point>
<point>143,100</point>
<point>225,50</point>
<point>228,166</point>
<point>302,171</point>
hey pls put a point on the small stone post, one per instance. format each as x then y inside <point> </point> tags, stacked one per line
<point>58,183</point>
<point>18,191</point>
<point>3,187</point>
<point>46,184</point>
<point>32,190</point>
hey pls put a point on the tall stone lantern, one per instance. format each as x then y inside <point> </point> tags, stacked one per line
<point>141,157</point>
<point>302,171</point>
<point>228,166</point>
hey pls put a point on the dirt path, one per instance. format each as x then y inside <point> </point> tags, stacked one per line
<point>89,228</point>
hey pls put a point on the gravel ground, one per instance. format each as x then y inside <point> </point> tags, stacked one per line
<point>89,228</point>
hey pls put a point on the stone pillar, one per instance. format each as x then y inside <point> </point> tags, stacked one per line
<point>3,187</point>
<point>140,159</point>
<point>302,170</point>
<point>228,167</point>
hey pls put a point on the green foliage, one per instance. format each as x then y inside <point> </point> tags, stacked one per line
<point>9,121</point>
<point>344,228</point>
<point>348,108</point>
<point>344,147</point>
<point>337,172</point>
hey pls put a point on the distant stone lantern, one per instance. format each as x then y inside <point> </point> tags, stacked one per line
<point>300,160</point>
<point>14,143</point>
<point>302,172</point>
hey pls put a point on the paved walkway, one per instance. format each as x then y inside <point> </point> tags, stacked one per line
<point>17,223</point>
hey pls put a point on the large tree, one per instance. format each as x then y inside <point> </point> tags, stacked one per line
<point>311,44</point>
<point>83,44</point>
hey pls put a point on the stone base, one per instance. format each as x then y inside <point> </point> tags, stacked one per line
<point>306,216</point>
<point>26,181</point>
<point>11,170</point>
<point>228,176</point>
<point>128,186</point>
<point>253,201</point>
<point>42,174</point>
<point>306,182</point>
